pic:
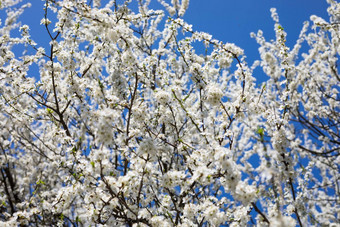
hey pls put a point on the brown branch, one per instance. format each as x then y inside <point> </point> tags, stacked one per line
<point>260,212</point>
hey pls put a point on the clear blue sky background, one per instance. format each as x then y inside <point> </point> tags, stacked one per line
<point>233,20</point>
<point>227,20</point>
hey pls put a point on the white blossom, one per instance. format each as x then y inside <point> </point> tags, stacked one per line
<point>45,21</point>
<point>118,119</point>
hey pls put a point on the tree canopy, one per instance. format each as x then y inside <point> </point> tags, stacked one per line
<point>132,118</point>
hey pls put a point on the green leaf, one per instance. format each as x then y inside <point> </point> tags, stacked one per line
<point>49,111</point>
<point>40,182</point>
<point>260,131</point>
<point>100,84</point>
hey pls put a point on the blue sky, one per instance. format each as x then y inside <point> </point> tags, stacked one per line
<point>233,20</point>
<point>230,20</point>
<point>226,20</point>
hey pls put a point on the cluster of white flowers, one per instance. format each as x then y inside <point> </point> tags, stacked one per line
<point>214,94</point>
<point>147,146</point>
<point>163,97</point>
<point>45,21</point>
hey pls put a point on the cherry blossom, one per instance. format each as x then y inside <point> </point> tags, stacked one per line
<point>120,121</point>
